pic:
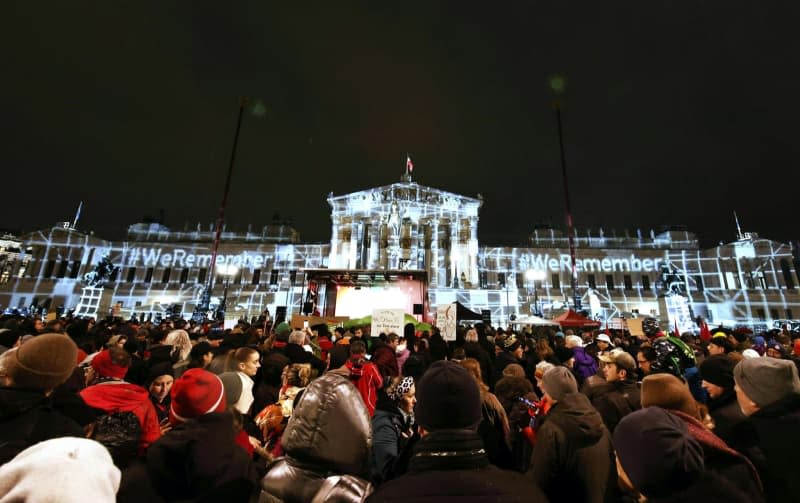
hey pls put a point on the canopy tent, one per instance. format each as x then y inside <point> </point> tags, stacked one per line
<point>533,320</point>
<point>464,313</point>
<point>571,319</point>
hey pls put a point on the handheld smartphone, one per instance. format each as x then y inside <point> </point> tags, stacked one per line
<point>305,324</point>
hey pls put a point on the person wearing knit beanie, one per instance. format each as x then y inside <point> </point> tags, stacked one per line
<point>43,363</point>
<point>717,375</point>
<point>64,469</point>
<point>763,381</point>
<point>197,392</point>
<point>679,462</point>
<point>668,392</point>
<point>558,382</point>
<point>447,398</point>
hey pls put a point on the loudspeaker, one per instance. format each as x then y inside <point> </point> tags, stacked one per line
<point>280,315</point>
<point>308,307</point>
<point>486,316</point>
<point>417,308</point>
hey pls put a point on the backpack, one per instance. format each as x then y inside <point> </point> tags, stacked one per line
<point>120,433</point>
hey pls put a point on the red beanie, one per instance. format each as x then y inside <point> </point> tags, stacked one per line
<point>195,393</point>
<point>103,365</point>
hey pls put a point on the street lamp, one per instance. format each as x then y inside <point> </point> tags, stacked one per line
<point>533,275</point>
<point>227,270</point>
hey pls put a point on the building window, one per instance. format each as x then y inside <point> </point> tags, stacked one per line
<point>773,313</point>
<point>112,278</point>
<point>148,275</point>
<point>482,279</point>
<point>761,314</point>
<point>501,280</point>
<point>273,277</point>
<point>610,281</point>
<point>48,269</point>
<point>165,276</point>
<point>520,280</point>
<point>592,281</point>
<point>556,280</point>
<point>62,269</point>
<point>201,275</point>
<point>256,276</point>
<point>789,314</point>
<point>76,267</point>
<point>628,282</point>
<point>787,274</point>
<point>645,281</point>
<point>131,274</point>
<point>698,281</point>
<point>184,275</point>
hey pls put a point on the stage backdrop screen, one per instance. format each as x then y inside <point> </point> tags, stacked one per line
<point>359,302</point>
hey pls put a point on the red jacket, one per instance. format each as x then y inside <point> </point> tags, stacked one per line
<point>118,396</point>
<point>366,377</point>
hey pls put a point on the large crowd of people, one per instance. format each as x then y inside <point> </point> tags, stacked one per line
<point>116,410</point>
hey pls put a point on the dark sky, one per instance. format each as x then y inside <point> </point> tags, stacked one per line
<point>675,112</point>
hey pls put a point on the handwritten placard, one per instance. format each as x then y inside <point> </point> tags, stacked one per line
<point>446,321</point>
<point>387,321</point>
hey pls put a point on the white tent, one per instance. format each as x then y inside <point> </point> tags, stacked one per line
<point>534,320</point>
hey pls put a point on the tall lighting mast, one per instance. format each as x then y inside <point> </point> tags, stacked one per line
<point>557,84</point>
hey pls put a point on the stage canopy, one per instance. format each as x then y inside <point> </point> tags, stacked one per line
<point>571,319</point>
<point>534,320</point>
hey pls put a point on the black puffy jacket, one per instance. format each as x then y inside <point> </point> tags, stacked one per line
<point>327,444</point>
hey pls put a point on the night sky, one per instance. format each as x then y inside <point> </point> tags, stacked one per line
<point>674,112</point>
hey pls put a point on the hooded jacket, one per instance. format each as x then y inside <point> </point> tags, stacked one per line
<point>367,379</point>
<point>327,444</point>
<point>615,400</point>
<point>119,396</point>
<point>726,413</point>
<point>573,459</point>
<point>28,417</point>
<point>585,365</point>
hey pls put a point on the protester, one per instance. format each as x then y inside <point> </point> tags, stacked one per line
<point>31,373</point>
<point>573,458</point>
<point>584,365</point>
<point>449,462</point>
<point>159,383</point>
<point>392,427</point>
<point>327,445</point>
<point>67,469</point>
<point>717,374</point>
<point>768,392</point>
<point>620,395</point>
<point>364,374</point>
<point>494,428</point>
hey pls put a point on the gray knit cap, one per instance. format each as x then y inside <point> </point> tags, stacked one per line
<point>767,380</point>
<point>559,382</point>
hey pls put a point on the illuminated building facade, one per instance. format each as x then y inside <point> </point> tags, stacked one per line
<point>409,227</point>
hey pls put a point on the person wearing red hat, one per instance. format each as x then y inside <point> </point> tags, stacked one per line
<point>109,393</point>
<point>198,459</point>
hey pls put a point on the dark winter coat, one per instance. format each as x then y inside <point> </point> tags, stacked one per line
<point>388,439</point>
<point>501,361</point>
<point>327,443</point>
<point>616,400</point>
<point>573,459</point>
<point>297,354</point>
<point>723,461</point>
<point>474,350</point>
<point>769,439</point>
<point>584,364</point>
<point>451,465</point>
<point>199,460</point>
<point>726,413</point>
<point>28,417</point>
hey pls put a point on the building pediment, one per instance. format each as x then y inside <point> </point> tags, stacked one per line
<point>402,192</point>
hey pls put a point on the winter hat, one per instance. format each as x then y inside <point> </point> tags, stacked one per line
<point>510,343</point>
<point>159,369</point>
<point>622,359</point>
<point>282,332</point>
<point>233,387</point>
<point>195,393</point>
<point>668,392</point>
<point>43,363</point>
<point>513,370</point>
<point>605,338</point>
<point>559,334</point>
<point>84,472</point>
<point>104,365</point>
<point>644,432</point>
<point>718,370</point>
<point>722,342</point>
<point>767,380</point>
<point>750,353</point>
<point>559,382</point>
<point>200,349</point>
<point>447,398</point>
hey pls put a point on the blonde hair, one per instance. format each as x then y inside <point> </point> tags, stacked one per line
<point>180,342</point>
